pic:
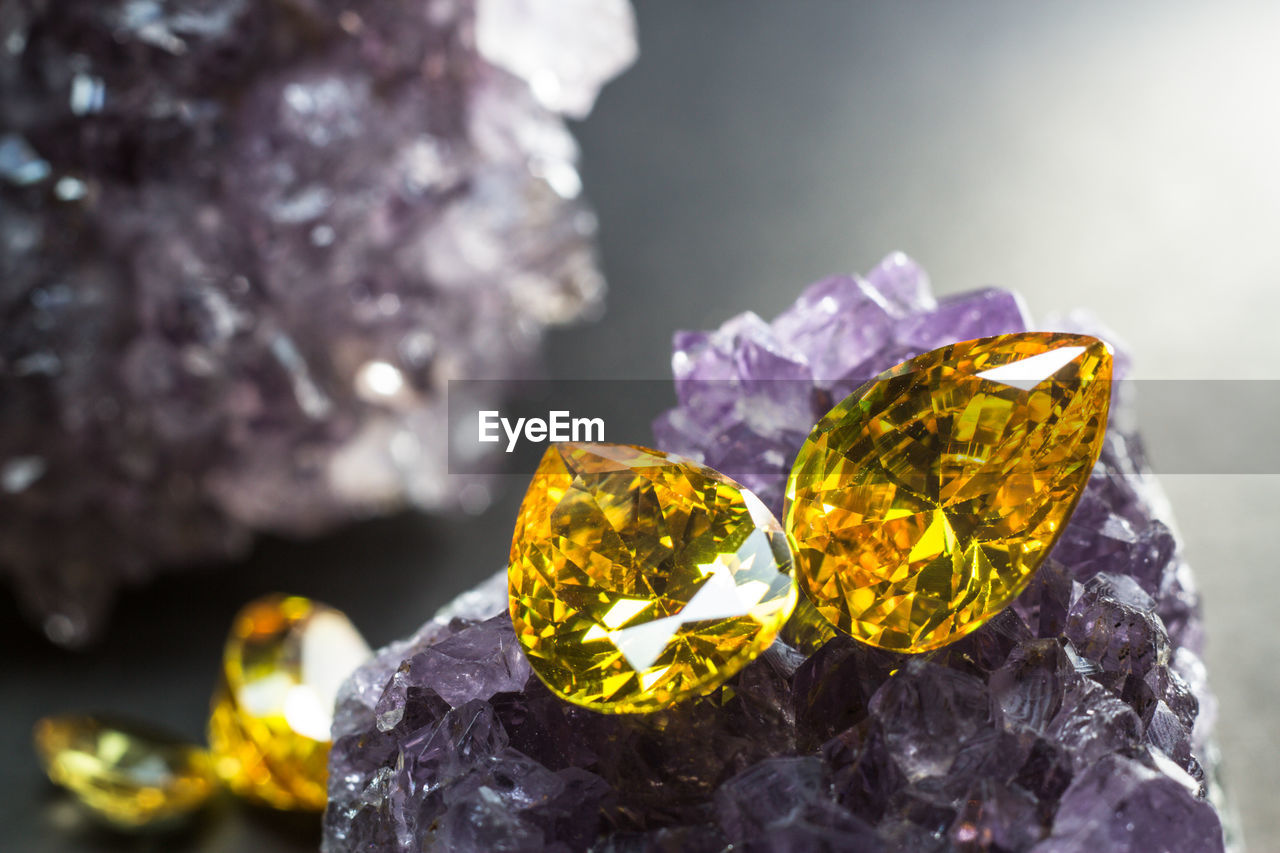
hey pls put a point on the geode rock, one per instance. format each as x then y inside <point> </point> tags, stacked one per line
<point>243,246</point>
<point>1079,719</point>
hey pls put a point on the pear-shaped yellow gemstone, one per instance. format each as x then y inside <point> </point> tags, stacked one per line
<point>128,774</point>
<point>284,661</point>
<point>920,506</point>
<point>638,578</point>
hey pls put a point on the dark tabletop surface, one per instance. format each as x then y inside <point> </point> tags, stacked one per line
<point>1082,153</point>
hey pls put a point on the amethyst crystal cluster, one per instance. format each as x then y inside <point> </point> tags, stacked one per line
<point>244,244</point>
<point>1077,721</point>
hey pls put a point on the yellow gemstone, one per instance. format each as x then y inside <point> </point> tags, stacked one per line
<point>639,579</point>
<point>128,774</point>
<point>920,506</point>
<point>269,728</point>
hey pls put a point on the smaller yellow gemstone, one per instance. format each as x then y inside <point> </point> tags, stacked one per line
<point>269,727</point>
<point>639,579</point>
<point>128,774</point>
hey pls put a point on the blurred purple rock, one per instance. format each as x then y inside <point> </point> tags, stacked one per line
<point>1079,719</point>
<point>243,246</point>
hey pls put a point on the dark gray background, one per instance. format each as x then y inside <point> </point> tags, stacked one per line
<point>1122,158</point>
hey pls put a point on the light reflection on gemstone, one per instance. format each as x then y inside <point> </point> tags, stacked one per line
<point>1029,372</point>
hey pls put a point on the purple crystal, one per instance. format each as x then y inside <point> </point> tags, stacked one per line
<point>835,324</point>
<point>996,816</point>
<point>1079,719</point>
<point>964,317</point>
<point>1120,804</point>
<point>230,305</point>
<point>799,813</point>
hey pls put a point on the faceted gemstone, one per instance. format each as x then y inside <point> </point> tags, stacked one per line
<point>128,774</point>
<point>272,711</point>
<point>638,578</point>
<point>921,505</point>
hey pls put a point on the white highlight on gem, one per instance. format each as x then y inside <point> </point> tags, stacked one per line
<point>305,713</point>
<point>643,644</point>
<point>331,650</point>
<point>266,695</point>
<point>647,680</point>
<point>719,598</point>
<point>1030,372</point>
<point>623,611</point>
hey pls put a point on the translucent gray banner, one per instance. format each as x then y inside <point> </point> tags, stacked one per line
<point>1186,426</point>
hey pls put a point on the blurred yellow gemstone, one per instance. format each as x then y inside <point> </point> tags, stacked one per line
<point>128,774</point>
<point>920,506</point>
<point>269,728</point>
<point>638,579</point>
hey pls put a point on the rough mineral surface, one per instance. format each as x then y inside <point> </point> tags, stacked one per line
<point>1076,721</point>
<point>243,246</point>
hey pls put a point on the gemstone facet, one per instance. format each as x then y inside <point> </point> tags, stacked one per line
<point>284,661</point>
<point>128,774</point>
<point>921,505</point>
<point>638,578</point>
